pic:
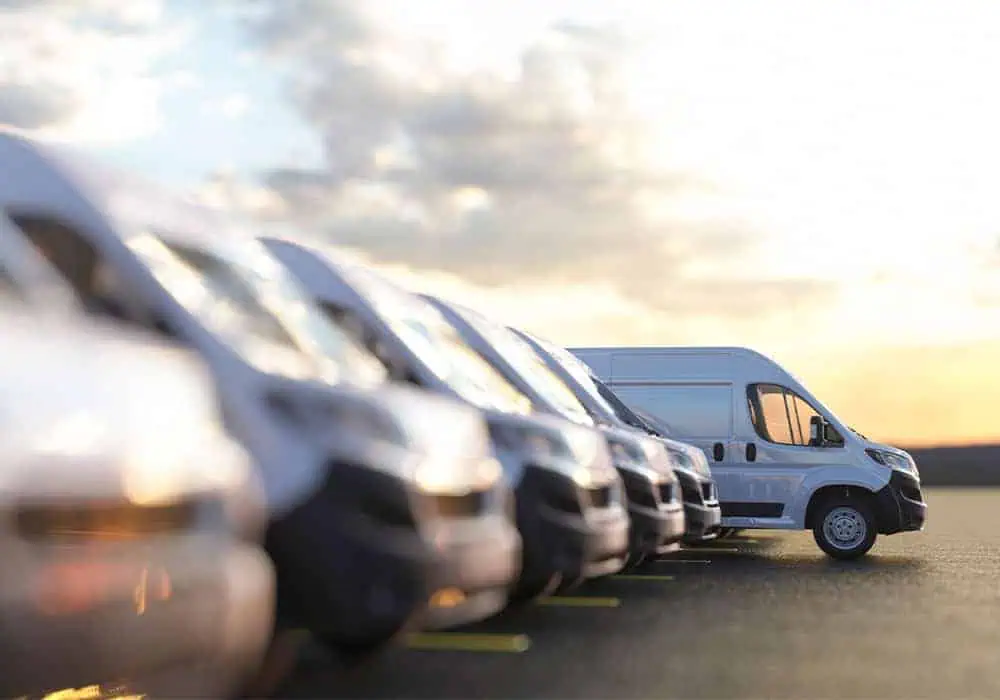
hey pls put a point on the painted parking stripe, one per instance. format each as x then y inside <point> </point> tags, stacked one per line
<point>459,641</point>
<point>683,561</point>
<point>580,602</point>
<point>643,577</point>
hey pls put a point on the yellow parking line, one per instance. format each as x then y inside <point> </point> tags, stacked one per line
<point>580,601</point>
<point>642,577</point>
<point>459,641</point>
<point>683,561</point>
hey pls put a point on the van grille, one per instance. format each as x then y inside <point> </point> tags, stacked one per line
<point>464,506</point>
<point>600,497</point>
<point>666,493</point>
<point>708,492</point>
<point>99,521</point>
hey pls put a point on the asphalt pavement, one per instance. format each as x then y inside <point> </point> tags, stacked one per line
<point>765,615</point>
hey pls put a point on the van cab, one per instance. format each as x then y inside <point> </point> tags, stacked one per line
<point>376,524</point>
<point>129,520</point>
<point>569,500</point>
<point>781,459</point>
<point>655,509</point>
<point>702,514</point>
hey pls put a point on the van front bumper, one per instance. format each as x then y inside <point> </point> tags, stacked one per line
<point>704,522</point>
<point>569,531</point>
<point>177,619</point>
<point>356,566</point>
<point>475,563</point>
<point>899,505</point>
<point>702,512</point>
<point>656,515</point>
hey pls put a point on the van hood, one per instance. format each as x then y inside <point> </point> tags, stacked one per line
<point>91,413</point>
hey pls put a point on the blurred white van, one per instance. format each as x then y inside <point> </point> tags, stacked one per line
<point>781,458</point>
<point>376,522</point>
<point>129,520</point>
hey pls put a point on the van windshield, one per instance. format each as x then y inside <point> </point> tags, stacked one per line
<point>248,299</point>
<point>8,286</point>
<point>526,362</point>
<point>439,347</point>
<point>581,375</point>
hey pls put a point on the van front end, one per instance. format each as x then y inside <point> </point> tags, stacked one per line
<point>569,501</point>
<point>407,529</point>
<point>135,558</point>
<point>702,511</point>
<point>653,491</point>
<point>899,505</point>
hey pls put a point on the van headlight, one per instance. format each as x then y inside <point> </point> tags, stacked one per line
<point>568,451</point>
<point>894,460</point>
<point>160,469</point>
<point>694,461</point>
<point>450,476</point>
<point>628,455</point>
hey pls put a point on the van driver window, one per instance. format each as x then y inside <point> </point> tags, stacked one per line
<point>779,415</point>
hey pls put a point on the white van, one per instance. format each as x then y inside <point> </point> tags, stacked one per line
<point>702,514</point>
<point>655,508</point>
<point>356,475</point>
<point>129,520</point>
<point>781,458</point>
<point>569,499</point>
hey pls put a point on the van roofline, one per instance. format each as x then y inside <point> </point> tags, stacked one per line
<point>66,180</point>
<point>734,349</point>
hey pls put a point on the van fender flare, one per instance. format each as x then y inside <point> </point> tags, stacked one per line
<point>831,475</point>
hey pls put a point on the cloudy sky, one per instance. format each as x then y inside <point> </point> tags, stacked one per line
<point>815,179</point>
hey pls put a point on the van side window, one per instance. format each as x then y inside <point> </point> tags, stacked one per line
<point>779,415</point>
<point>95,282</point>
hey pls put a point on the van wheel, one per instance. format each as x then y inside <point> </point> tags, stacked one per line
<point>635,560</point>
<point>844,528</point>
<point>528,591</point>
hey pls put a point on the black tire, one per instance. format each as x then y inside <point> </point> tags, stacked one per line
<point>529,590</point>
<point>844,527</point>
<point>359,652</point>
<point>635,561</point>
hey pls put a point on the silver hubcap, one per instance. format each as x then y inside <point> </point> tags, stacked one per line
<point>844,528</point>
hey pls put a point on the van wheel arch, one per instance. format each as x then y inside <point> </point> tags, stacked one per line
<point>822,494</point>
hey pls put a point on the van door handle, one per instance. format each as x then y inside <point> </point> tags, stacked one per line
<point>751,452</point>
<point>718,451</point>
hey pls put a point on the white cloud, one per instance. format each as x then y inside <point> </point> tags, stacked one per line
<point>84,70</point>
<point>534,176</point>
<point>231,106</point>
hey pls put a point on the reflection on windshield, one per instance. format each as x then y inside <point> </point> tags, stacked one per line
<point>437,344</point>
<point>8,286</point>
<point>609,404</point>
<point>529,365</point>
<point>248,299</point>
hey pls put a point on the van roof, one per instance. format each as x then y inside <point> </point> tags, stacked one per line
<point>313,264</point>
<point>64,181</point>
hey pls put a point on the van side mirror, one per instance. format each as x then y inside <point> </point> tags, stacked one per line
<point>817,431</point>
